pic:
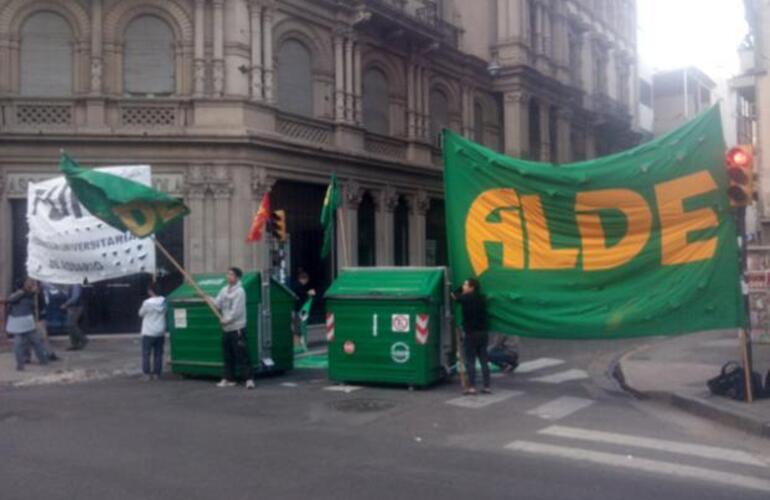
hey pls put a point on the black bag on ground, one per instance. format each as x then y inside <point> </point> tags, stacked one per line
<point>731,383</point>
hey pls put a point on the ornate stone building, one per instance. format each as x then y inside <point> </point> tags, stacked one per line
<point>228,99</point>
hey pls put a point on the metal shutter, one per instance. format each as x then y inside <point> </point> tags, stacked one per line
<point>148,61</point>
<point>46,56</point>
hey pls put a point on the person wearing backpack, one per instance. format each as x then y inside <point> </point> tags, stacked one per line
<point>153,314</point>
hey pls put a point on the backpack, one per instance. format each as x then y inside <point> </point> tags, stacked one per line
<point>731,383</point>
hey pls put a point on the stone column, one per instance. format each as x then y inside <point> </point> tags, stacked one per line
<point>237,39</point>
<point>199,78</point>
<point>358,88</point>
<point>503,22</point>
<point>419,101</point>
<point>256,51</point>
<point>339,77</point>
<point>612,74</point>
<point>268,56</point>
<point>219,63</point>
<point>587,64</point>
<point>411,100</point>
<point>96,47</point>
<point>196,194</point>
<point>223,194</point>
<point>468,111</point>
<point>564,136</point>
<point>419,204</point>
<point>590,142</point>
<point>545,132</point>
<point>425,82</point>
<point>516,116</point>
<point>349,105</point>
<point>384,204</point>
<point>347,226</point>
<point>6,245</point>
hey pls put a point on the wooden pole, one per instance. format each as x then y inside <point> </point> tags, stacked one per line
<point>189,280</point>
<point>746,366</point>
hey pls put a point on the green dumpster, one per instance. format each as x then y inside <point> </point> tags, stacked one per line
<point>196,336</point>
<point>385,325</point>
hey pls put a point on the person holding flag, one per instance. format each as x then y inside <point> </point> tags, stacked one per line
<point>305,294</point>
<point>332,201</point>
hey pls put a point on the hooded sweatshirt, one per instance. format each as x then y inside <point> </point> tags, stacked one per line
<point>153,314</point>
<point>232,302</point>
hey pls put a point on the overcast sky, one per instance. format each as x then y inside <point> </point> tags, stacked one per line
<point>701,33</point>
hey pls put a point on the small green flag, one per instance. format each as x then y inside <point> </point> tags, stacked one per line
<point>331,202</point>
<point>304,316</point>
<point>122,203</point>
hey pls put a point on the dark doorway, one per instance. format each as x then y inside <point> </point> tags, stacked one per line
<point>401,230</point>
<point>435,230</point>
<point>302,202</point>
<point>111,305</point>
<point>367,245</point>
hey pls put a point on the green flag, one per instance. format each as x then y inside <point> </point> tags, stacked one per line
<point>304,316</point>
<point>122,203</point>
<point>328,212</point>
<point>642,242</point>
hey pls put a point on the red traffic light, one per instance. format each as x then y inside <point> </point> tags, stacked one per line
<point>738,157</point>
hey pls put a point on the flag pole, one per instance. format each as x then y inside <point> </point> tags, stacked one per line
<point>189,279</point>
<point>345,261</point>
<point>460,359</point>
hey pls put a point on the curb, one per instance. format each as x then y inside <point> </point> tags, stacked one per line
<point>693,405</point>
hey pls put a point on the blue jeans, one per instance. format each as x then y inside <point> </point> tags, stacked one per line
<point>154,346</point>
<point>21,345</point>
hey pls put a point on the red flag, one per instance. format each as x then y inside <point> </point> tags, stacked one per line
<point>263,214</point>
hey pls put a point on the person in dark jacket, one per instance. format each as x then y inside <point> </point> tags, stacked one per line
<point>74,308</point>
<point>303,291</point>
<point>474,311</point>
<point>502,354</point>
<point>22,325</point>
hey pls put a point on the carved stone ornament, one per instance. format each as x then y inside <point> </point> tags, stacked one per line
<point>354,193</point>
<point>419,203</point>
<point>387,199</point>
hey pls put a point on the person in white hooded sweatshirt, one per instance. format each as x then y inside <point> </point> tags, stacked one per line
<point>231,302</point>
<point>153,314</point>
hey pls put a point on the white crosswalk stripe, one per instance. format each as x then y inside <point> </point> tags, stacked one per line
<point>483,400</point>
<point>565,376</point>
<point>678,447</point>
<point>560,407</point>
<point>347,389</point>
<point>538,364</point>
<point>641,464</point>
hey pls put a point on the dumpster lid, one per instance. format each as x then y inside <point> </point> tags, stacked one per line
<point>211,284</point>
<point>387,283</point>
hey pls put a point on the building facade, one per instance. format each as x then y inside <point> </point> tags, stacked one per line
<point>230,99</point>
<point>678,96</point>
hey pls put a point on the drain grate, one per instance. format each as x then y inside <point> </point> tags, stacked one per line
<point>362,405</point>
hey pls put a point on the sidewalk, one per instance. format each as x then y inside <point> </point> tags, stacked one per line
<point>675,371</point>
<point>105,356</point>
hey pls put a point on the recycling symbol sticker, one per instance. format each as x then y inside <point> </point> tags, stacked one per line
<point>399,352</point>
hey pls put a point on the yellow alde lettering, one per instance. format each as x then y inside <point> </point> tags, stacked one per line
<point>140,226</point>
<point>542,255</point>
<point>596,254</point>
<point>676,223</point>
<point>507,231</point>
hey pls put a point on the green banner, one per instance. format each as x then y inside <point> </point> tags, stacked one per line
<point>642,242</point>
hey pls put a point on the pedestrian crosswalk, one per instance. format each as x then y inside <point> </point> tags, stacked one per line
<point>643,454</point>
<point>565,376</point>
<point>560,407</point>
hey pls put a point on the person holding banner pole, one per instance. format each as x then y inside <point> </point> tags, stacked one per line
<point>474,313</point>
<point>22,325</point>
<point>74,308</point>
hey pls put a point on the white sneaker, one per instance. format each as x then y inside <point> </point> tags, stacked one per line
<point>225,383</point>
<point>250,384</point>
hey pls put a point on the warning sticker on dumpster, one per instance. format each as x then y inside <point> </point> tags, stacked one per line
<point>400,323</point>
<point>180,318</point>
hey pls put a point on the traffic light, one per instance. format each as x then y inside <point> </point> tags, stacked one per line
<point>278,225</point>
<point>740,171</point>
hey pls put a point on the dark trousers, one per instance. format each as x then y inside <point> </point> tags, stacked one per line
<point>152,346</point>
<point>476,347</point>
<point>235,355</point>
<point>78,338</point>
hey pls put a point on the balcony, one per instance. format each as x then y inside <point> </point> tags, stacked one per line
<point>421,18</point>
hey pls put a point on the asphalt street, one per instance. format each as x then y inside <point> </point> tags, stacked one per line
<point>559,428</point>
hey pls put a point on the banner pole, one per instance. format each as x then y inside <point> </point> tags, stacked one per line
<point>460,359</point>
<point>746,366</point>
<point>345,261</point>
<point>189,279</point>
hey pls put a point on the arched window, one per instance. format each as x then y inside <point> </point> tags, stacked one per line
<point>295,78</point>
<point>46,56</point>
<point>376,102</point>
<point>478,122</point>
<point>439,115</point>
<point>148,61</point>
